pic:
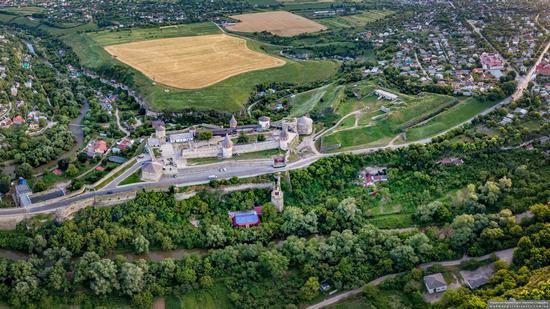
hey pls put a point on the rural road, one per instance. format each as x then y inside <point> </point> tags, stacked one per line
<point>506,255</point>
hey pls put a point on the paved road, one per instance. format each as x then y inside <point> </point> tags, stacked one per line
<point>503,254</point>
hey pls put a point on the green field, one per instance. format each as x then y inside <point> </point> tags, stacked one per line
<point>315,99</point>
<point>354,21</point>
<point>109,37</point>
<point>27,10</point>
<point>376,128</point>
<point>228,95</point>
<point>448,119</point>
<point>216,297</point>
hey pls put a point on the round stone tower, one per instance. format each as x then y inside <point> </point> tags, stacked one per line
<point>227,147</point>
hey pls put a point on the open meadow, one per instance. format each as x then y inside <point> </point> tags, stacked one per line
<point>355,20</point>
<point>373,127</point>
<point>192,62</point>
<point>280,23</point>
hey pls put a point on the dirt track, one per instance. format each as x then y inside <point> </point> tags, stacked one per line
<point>192,62</point>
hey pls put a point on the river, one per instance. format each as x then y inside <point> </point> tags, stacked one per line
<point>153,256</point>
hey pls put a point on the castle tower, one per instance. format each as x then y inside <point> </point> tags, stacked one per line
<point>283,138</point>
<point>160,130</point>
<point>227,147</point>
<point>233,122</point>
<point>277,195</point>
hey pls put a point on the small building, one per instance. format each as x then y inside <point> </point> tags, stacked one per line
<point>18,120</point>
<point>435,283</point>
<point>384,109</point>
<point>384,94</point>
<point>22,193</point>
<point>521,111</point>
<point>264,122</point>
<point>181,137</point>
<point>97,148</point>
<point>246,218</point>
<point>151,171</point>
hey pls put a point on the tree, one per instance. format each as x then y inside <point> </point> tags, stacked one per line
<point>215,236</point>
<point>273,263</point>
<point>204,135</point>
<point>295,222</point>
<point>131,278</point>
<point>24,170</point>
<point>5,184</point>
<point>242,139</point>
<point>100,274</point>
<point>541,212</point>
<point>261,138</point>
<point>72,170</point>
<point>141,244</point>
<point>310,290</point>
<point>463,230</point>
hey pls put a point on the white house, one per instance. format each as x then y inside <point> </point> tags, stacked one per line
<point>435,283</point>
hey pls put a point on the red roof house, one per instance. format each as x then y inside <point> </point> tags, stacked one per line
<point>543,68</point>
<point>100,147</point>
<point>18,120</point>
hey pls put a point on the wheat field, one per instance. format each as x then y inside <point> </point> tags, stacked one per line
<point>192,62</point>
<point>280,23</point>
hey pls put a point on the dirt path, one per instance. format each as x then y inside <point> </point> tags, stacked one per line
<point>120,127</point>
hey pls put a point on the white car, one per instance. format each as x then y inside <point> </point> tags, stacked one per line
<point>212,177</point>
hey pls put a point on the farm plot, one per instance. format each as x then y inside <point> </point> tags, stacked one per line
<point>192,62</point>
<point>280,23</point>
<point>354,21</point>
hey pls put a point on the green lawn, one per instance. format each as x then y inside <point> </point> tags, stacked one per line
<point>385,128</point>
<point>449,118</point>
<point>26,10</point>
<point>354,21</point>
<point>315,99</point>
<point>217,297</point>
<point>228,95</point>
<point>134,178</point>
<point>110,37</point>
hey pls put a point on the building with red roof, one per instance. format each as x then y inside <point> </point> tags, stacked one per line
<point>491,61</point>
<point>100,147</point>
<point>543,68</point>
<point>18,120</point>
<point>246,218</point>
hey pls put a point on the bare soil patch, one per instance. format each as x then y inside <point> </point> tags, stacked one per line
<point>192,62</point>
<point>280,23</point>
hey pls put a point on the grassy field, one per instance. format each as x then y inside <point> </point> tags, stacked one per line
<point>376,128</point>
<point>109,37</point>
<point>448,119</point>
<point>217,297</point>
<point>228,95</point>
<point>315,99</point>
<point>27,10</point>
<point>354,21</point>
